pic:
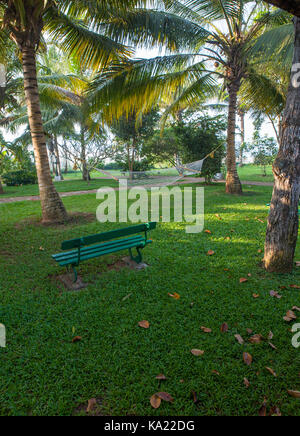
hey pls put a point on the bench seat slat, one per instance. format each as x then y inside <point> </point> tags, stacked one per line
<point>102,252</point>
<point>107,236</point>
<point>96,248</point>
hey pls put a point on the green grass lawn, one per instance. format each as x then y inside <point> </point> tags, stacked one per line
<point>64,186</point>
<point>43,373</point>
<point>254,173</point>
<point>78,175</point>
<point>73,182</point>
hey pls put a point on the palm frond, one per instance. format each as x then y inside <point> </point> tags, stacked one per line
<point>277,42</point>
<point>259,92</point>
<point>217,9</point>
<point>138,85</point>
<point>143,27</point>
<point>93,49</point>
<point>195,94</point>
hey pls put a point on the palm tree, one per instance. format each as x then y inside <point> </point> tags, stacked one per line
<point>223,36</point>
<point>64,109</point>
<point>79,27</point>
<point>228,45</point>
<point>266,89</point>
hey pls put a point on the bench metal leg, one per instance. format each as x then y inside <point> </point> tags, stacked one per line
<point>137,259</point>
<point>75,273</point>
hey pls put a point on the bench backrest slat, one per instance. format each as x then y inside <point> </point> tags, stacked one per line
<point>107,236</point>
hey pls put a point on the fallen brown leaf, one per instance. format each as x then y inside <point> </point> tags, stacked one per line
<point>161,377</point>
<point>206,329</point>
<point>76,339</point>
<point>271,371</point>
<point>239,339</point>
<point>246,383</point>
<point>144,324</point>
<point>165,396</point>
<point>271,335</point>
<point>175,296</point>
<point>155,401</point>
<point>256,295</point>
<point>272,346</point>
<point>290,316</point>
<point>207,231</point>
<point>196,352</point>
<point>224,328</point>
<point>256,339</point>
<point>210,253</point>
<point>295,286</point>
<point>243,280</point>
<point>263,409</point>
<point>294,394</point>
<point>296,308</point>
<point>248,359</point>
<point>194,396</point>
<point>275,294</point>
<point>91,405</point>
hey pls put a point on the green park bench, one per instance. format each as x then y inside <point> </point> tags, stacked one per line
<point>90,247</point>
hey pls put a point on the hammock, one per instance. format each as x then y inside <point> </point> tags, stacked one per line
<point>159,176</point>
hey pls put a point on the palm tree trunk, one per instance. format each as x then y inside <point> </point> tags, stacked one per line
<point>242,116</point>
<point>66,159</point>
<point>233,184</point>
<point>53,209</point>
<point>283,222</point>
<point>56,149</point>
<point>85,172</point>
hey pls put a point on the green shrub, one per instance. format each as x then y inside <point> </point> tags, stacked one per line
<point>20,177</point>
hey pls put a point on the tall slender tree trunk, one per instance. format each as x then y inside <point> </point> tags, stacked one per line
<point>1,188</point>
<point>53,209</point>
<point>56,150</point>
<point>85,172</point>
<point>283,222</point>
<point>242,117</point>
<point>129,162</point>
<point>233,184</point>
<point>51,156</point>
<point>66,159</point>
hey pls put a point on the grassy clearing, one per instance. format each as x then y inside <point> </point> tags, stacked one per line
<point>65,186</point>
<point>43,373</point>
<point>78,175</point>
<point>253,173</point>
<point>74,183</point>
